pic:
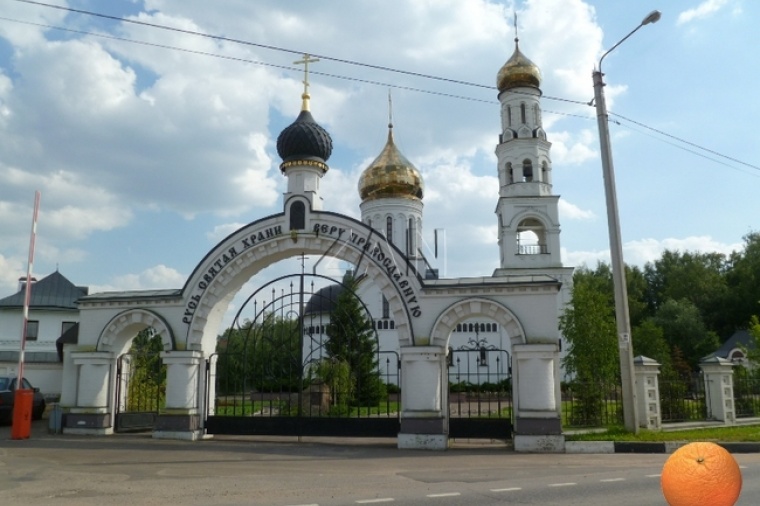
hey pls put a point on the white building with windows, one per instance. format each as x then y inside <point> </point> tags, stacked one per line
<point>53,318</point>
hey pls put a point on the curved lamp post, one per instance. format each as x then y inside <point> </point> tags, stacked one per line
<point>616,246</point>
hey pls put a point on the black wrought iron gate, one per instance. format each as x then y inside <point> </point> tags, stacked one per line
<point>480,392</point>
<point>305,361</point>
<point>140,390</point>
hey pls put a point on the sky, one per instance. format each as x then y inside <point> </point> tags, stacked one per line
<point>150,145</point>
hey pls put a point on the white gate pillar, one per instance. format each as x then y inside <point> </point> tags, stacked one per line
<point>90,414</point>
<point>647,371</point>
<point>537,401</point>
<point>181,417</point>
<point>719,389</point>
<point>423,420</point>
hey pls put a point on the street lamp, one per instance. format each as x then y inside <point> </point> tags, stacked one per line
<point>616,246</point>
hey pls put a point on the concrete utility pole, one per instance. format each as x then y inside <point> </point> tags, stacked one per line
<point>622,316</point>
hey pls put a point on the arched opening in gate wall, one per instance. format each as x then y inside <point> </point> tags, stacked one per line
<point>303,357</point>
<point>479,335</point>
<point>135,338</point>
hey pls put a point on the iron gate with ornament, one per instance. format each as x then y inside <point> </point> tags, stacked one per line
<point>303,358</point>
<point>480,391</point>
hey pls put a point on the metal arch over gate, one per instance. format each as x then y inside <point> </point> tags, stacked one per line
<point>480,391</point>
<point>292,365</point>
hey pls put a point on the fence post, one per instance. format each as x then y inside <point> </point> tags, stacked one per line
<point>719,389</point>
<point>647,371</point>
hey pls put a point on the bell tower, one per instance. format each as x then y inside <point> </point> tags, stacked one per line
<point>527,210</point>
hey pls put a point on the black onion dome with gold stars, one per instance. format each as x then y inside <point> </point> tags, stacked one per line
<point>304,139</point>
<point>391,175</point>
<point>518,72</point>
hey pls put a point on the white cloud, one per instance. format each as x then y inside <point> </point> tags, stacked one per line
<point>222,231</point>
<point>573,148</point>
<point>158,277</point>
<point>703,10</point>
<point>639,252</point>
<point>568,211</point>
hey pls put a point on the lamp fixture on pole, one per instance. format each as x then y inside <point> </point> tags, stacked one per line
<point>625,345</point>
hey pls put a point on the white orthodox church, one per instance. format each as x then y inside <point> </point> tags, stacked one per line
<point>420,316</point>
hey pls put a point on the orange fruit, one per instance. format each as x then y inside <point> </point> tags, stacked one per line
<point>701,474</point>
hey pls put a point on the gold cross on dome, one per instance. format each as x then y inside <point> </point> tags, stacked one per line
<point>305,62</point>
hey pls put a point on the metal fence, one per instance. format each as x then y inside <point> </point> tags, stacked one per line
<point>683,400</point>
<point>746,394</point>
<point>591,404</point>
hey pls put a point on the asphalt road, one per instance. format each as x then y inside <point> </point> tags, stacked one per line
<point>137,470</point>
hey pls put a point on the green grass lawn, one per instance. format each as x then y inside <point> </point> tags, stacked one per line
<point>748,433</point>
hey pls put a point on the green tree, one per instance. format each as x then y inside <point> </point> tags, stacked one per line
<point>588,325</point>
<point>262,356</point>
<point>351,339</point>
<point>743,279</point>
<point>649,340</point>
<point>699,278</point>
<point>147,375</point>
<point>684,328</point>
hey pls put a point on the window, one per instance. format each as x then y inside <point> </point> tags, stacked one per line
<point>386,308</point>
<point>65,326</point>
<point>510,178</point>
<point>389,229</point>
<point>527,171</point>
<point>297,215</point>
<point>32,330</point>
<point>509,115</point>
<point>522,113</point>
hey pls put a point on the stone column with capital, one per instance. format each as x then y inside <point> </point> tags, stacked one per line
<point>185,380</point>
<point>91,413</point>
<point>537,401</point>
<point>423,421</point>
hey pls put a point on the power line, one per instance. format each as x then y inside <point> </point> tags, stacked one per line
<point>280,49</point>
<point>348,62</point>
<point>665,134</point>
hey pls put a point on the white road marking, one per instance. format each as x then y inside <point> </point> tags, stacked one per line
<point>448,494</point>
<point>511,489</point>
<point>561,484</point>
<point>610,480</point>
<point>653,476</point>
<point>372,501</point>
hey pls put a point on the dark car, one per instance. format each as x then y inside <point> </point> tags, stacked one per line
<point>8,393</point>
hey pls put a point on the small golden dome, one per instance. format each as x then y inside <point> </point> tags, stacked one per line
<point>391,175</point>
<point>519,71</point>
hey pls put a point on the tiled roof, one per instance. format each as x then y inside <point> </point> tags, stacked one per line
<point>51,292</point>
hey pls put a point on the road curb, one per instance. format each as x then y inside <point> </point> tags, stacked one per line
<point>647,447</point>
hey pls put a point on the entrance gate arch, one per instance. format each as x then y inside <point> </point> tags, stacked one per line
<point>303,360</point>
<point>479,394</point>
<point>217,279</point>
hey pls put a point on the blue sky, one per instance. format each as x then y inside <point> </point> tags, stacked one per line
<point>146,157</point>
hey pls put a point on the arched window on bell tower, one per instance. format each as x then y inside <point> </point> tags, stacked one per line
<point>545,172</point>
<point>510,176</point>
<point>531,237</point>
<point>509,115</point>
<point>527,171</point>
<point>389,229</point>
<point>523,116</point>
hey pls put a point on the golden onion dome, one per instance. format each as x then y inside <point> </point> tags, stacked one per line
<point>391,175</point>
<point>519,71</point>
